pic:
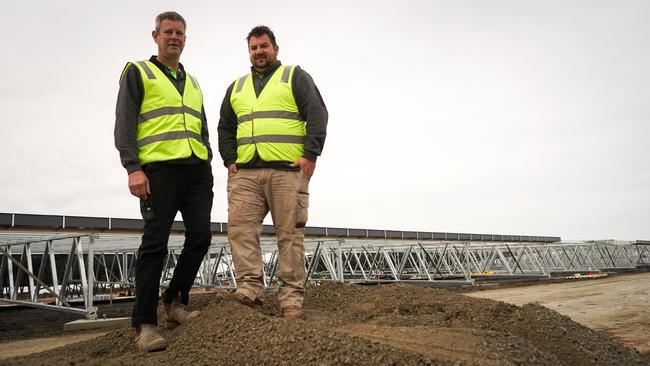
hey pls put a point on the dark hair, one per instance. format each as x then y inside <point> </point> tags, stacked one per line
<point>169,15</point>
<point>259,31</point>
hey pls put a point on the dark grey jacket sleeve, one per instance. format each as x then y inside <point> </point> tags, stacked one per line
<point>312,110</point>
<point>227,130</point>
<point>129,100</point>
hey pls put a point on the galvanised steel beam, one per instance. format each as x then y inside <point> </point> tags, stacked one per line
<point>71,268</point>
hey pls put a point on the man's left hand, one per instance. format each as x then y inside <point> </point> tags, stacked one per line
<point>307,167</point>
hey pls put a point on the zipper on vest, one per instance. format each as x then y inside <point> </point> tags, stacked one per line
<point>257,98</point>
<point>184,120</point>
<point>253,132</point>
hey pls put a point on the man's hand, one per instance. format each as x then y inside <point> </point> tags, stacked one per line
<point>232,168</point>
<point>139,185</point>
<point>307,167</point>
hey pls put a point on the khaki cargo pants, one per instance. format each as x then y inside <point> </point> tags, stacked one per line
<point>252,193</point>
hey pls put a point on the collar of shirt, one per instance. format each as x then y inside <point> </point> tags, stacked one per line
<point>180,75</point>
<point>270,70</point>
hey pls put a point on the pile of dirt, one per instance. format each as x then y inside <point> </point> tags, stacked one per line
<point>357,325</point>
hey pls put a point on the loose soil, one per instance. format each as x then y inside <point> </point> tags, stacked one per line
<point>361,325</point>
<point>617,305</point>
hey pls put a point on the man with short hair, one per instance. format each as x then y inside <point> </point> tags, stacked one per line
<point>161,133</point>
<point>272,128</point>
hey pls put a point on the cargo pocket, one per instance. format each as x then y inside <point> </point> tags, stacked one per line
<point>301,214</point>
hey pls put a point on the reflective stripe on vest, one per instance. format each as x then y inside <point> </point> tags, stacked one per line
<point>269,124</point>
<point>169,125</point>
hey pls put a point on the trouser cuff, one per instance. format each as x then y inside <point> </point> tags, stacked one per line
<point>170,295</point>
<point>136,321</point>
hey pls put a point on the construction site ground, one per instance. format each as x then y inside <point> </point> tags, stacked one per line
<point>600,321</point>
<point>617,305</point>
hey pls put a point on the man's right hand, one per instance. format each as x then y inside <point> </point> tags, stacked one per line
<point>139,185</point>
<point>232,168</point>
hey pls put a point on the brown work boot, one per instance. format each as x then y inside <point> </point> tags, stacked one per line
<point>240,298</point>
<point>256,304</point>
<point>293,312</point>
<point>176,313</point>
<point>148,339</point>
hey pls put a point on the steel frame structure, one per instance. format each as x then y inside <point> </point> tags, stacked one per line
<point>91,266</point>
<point>75,283</point>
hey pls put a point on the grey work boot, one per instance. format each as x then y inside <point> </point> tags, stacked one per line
<point>148,339</point>
<point>176,313</point>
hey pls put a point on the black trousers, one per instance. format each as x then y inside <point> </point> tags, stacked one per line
<point>174,187</point>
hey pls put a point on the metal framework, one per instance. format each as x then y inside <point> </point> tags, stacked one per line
<point>69,272</point>
<point>20,283</point>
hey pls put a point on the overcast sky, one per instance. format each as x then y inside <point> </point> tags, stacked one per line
<point>504,117</point>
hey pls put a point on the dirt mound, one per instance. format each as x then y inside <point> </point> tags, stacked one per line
<point>357,325</point>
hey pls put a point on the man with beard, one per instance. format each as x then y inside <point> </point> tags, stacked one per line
<point>272,128</point>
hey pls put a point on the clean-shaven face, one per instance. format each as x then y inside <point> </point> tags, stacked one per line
<point>170,39</point>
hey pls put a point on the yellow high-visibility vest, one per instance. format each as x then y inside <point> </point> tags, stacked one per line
<point>169,124</point>
<point>269,124</point>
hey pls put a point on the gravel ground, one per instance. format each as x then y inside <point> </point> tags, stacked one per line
<point>361,325</point>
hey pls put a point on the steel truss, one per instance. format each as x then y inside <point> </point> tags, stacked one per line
<point>59,272</point>
<point>440,261</point>
<point>49,287</point>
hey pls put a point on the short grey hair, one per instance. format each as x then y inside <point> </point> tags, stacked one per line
<point>169,15</point>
